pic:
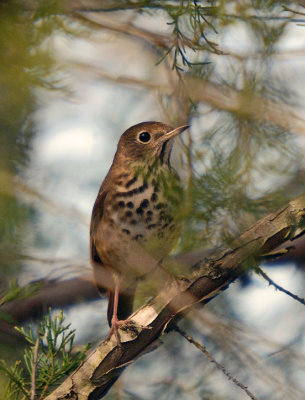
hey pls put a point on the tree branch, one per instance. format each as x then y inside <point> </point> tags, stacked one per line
<point>53,293</point>
<point>205,280</point>
<point>280,288</point>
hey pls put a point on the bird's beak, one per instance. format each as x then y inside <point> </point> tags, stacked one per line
<point>175,132</point>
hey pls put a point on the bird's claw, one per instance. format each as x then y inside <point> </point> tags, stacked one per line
<point>126,325</point>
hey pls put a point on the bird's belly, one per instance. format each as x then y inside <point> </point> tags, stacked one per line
<point>146,220</point>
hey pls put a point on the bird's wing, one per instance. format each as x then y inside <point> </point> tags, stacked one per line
<point>103,277</point>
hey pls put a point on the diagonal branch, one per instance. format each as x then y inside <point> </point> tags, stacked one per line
<point>205,280</point>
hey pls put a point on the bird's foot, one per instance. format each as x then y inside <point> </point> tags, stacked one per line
<point>127,325</point>
<point>114,329</point>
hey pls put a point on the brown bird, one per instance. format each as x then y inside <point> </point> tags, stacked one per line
<point>132,224</point>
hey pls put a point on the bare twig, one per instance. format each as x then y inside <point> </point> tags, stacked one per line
<point>241,341</point>
<point>33,379</point>
<point>216,363</point>
<point>280,288</point>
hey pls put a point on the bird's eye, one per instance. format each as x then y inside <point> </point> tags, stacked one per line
<point>144,137</point>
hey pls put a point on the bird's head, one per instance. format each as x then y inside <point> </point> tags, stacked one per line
<point>148,142</point>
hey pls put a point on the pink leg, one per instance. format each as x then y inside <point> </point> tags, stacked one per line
<point>115,322</point>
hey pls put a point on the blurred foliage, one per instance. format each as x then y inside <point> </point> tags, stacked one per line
<point>26,65</point>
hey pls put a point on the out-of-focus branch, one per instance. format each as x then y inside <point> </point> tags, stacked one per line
<point>152,38</point>
<point>246,104</point>
<point>164,42</point>
<point>13,187</point>
<point>53,293</point>
<point>55,206</point>
<point>98,373</point>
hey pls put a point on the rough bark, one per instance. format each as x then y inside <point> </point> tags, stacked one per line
<point>206,279</point>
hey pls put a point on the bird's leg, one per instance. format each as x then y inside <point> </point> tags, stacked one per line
<point>115,322</point>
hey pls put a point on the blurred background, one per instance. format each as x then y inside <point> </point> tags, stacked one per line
<point>73,77</point>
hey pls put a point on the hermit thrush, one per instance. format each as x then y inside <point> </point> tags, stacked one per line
<point>133,226</point>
